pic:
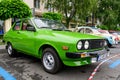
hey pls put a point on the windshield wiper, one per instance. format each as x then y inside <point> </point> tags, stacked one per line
<point>67,30</point>
<point>44,27</point>
<point>59,29</point>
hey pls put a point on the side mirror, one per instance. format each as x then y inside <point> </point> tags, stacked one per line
<point>31,28</point>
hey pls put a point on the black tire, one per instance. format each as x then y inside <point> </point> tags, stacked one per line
<point>11,52</point>
<point>109,45</point>
<point>50,60</point>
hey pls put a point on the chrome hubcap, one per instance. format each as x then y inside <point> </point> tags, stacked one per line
<point>9,49</point>
<point>48,61</point>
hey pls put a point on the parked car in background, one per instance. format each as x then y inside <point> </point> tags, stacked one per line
<point>106,33</point>
<point>116,34</point>
<point>51,42</point>
<point>96,31</point>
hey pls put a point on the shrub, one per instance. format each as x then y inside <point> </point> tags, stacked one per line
<point>53,16</point>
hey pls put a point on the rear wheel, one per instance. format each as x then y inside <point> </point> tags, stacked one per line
<point>11,52</point>
<point>50,60</point>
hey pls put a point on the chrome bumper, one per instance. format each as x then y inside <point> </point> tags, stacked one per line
<point>95,55</point>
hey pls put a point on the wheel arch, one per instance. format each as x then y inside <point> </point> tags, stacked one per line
<point>47,46</point>
<point>8,42</point>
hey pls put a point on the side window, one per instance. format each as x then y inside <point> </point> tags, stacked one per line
<point>26,23</point>
<point>17,26</point>
<point>88,30</point>
<point>81,30</point>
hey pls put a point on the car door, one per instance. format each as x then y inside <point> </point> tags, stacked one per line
<point>28,37</point>
<point>15,36</point>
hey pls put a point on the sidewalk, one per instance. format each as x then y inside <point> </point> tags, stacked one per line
<point>2,47</point>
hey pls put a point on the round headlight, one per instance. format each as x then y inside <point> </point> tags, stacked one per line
<point>86,45</point>
<point>79,45</point>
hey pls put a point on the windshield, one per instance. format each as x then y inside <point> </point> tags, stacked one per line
<point>104,31</point>
<point>49,24</point>
<point>96,31</point>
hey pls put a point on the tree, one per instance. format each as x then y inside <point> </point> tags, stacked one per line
<point>72,8</point>
<point>14,9</point>
<point>108,13</point>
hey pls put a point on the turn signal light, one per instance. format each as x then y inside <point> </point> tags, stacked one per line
<point>65,47</point>
<point>83,55</point>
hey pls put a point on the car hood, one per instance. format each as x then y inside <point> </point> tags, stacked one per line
<point>74,35</point>
<point>67,35</point>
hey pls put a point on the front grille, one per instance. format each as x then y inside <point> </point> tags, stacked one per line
<point>94,43</point>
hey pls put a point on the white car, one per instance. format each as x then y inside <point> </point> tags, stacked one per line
<point>95,31</point>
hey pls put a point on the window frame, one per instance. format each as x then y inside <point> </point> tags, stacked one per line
<point>14,26</point>
<point>37,4</point>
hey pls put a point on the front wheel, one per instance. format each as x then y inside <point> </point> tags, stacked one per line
<point>50,60</point>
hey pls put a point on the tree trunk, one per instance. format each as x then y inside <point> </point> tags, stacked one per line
<point>67,23</point>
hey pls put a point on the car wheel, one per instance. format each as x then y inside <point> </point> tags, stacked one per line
<point>50,60</point>
<point>11,52</point>
<point>109,45</point>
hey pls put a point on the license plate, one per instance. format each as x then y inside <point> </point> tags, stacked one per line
<point>101,57</point>
<point>94,59</point>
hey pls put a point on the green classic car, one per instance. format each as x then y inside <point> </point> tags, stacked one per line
<point>55,45</point>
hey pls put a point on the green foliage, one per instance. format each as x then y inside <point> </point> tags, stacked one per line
<point>108,13</point>
<point>71,9</point>
<point>14,9</point>
<point>104,27</point>
<point>53,16</point>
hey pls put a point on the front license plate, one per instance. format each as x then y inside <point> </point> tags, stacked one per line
<point>101,57</point>
<point>94,59</point>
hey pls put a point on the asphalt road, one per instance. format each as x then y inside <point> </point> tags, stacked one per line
<point>28,68</point>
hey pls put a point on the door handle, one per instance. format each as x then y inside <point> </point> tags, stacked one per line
<point>18,32</point>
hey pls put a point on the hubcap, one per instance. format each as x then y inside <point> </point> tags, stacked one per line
<point>48,61</point>
<point>9,49</point>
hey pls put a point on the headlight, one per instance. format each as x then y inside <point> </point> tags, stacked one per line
<point>79,45</point>
<point>86,45</point>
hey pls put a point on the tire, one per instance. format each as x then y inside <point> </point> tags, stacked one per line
<point>50,60</point>
<point>109,45</point>
<point>11,52</point>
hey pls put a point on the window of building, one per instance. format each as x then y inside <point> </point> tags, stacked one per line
<point>37,3</point>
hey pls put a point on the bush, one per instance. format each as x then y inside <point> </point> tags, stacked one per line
<point>1,36</point>
<point>53,16</point>
<point>104,27</point>
<point>14,9</point>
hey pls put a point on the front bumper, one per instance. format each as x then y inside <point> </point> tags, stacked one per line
<point>95,56</point>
